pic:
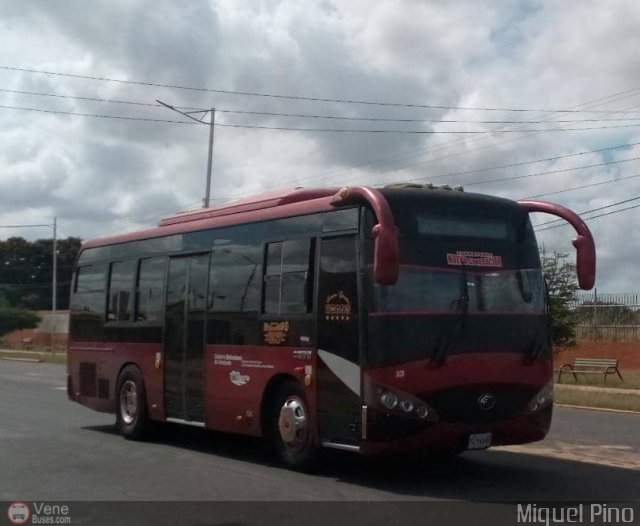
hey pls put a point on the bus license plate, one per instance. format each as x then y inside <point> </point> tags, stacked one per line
<point>479,441</point>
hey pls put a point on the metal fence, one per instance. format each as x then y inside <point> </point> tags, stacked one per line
<point>609,317</point>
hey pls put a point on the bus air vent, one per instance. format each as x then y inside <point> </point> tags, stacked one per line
<point>428,186</point>
<point>103,388</point>
<point>88,379</point>
<point>404,185</point>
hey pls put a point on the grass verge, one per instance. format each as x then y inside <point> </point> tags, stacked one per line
<point>627,402</point>
<point>59,357</point>
<point>631,379</point>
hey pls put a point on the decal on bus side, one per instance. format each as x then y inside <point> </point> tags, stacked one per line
<point>225,359</point>
<point>346,371</point>
<point>302,354</point>
<point>275,332</point>
<point>337,307</point>
<point>239,379</point>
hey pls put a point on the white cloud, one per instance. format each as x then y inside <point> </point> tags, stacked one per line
<point>101,176</point>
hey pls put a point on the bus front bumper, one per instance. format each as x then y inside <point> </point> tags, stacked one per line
<point>456,437</point>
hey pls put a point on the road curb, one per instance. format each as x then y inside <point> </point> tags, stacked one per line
<point>590,408</point>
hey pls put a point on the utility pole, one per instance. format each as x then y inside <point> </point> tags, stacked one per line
<point>211,124</point>
<point>207,194</point>
<point>54,295</point>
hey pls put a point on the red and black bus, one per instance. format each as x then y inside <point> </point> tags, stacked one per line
<point>370,320</point>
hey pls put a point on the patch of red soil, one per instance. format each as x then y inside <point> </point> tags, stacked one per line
<point>627,352</point>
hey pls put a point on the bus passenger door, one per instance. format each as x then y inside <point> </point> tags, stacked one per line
<point>338,375</point>
<point>184,337</point>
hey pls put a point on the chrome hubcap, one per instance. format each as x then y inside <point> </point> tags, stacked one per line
<point>128,402</point>
<point>292,423</point>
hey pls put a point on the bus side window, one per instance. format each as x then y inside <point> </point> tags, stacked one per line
<point>89,291</point>
<point>234,282</point>
<point>120,286</point>
<point>287,279</point>
<point>150,289</point>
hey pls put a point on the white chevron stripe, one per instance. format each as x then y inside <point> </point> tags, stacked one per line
<point>348,372</point>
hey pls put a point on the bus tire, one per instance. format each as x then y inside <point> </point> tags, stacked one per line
<point>291,430</point>
<point>131,404</point>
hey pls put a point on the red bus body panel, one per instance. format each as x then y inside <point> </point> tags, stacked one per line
<point>237,408</point>
<point>236,377</point>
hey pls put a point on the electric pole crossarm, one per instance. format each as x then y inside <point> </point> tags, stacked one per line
<point>211,124</point>
<point>187,113</point>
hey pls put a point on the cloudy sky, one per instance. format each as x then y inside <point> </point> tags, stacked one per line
<point>429,62</point>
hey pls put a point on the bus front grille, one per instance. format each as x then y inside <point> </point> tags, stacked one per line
<point>485,403</point>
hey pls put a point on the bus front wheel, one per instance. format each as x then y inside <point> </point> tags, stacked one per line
<point>131,404</point>
<point>291,427</point>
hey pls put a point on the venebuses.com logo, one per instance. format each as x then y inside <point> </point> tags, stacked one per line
<point>38,513</point>
<point>18,513</point>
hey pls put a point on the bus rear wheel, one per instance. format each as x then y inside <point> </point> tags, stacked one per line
<point>131,404</point>
<point>292,433</point>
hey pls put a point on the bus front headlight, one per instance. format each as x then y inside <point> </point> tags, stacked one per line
<point>389,400</point>
<point>542,399</point>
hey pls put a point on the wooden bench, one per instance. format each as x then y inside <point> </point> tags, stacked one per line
<point>591,366</point>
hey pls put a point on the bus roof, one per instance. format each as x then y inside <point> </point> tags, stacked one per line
<point>277,204</point>
<point>270,205</point>
<point>260,202</point>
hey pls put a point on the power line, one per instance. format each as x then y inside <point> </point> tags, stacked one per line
<point>450,144</point>
<point>90,99</point>
<point>592,217</point>
<point>119,117</point>
<point>524,163</point>
<point>583,186</point>
<point>315,116</point>
<point>538,174</point>
<point>428,132</point>
<point>431,121</point>
<point>322,130</point>
<point>611,98</point>
<point>590,211</point>
<point>380,131</point>
<point>279,96</point>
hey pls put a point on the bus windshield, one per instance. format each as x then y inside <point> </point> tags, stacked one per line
<point>431,290</point>
<point>469,281</point>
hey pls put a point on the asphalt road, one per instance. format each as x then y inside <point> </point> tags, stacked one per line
<point>55,450</point>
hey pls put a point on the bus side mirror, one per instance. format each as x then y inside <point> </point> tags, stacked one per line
<point>386,259</point>
<point>583,242</point>
<point>385,255</point>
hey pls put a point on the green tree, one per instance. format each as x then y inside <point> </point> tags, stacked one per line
<point>26,271</point>
<point>13,319</point>
<point>562,286</point>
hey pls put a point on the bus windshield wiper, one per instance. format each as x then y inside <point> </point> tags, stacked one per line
<point>540,345</point>
<point>462,308</point>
